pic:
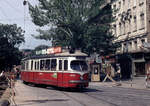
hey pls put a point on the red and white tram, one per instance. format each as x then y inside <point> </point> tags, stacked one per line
<point>68,70</point>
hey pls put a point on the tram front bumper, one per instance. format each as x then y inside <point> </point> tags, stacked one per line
<point>78,81</point>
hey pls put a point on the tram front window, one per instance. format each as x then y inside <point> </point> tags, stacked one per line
<point>79,65</point>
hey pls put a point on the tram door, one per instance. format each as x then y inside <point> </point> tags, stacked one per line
<point>60,73</point>
<point>95,73</point>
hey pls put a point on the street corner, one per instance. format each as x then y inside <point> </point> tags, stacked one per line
<point>108,84</point>
<point>118,84</point>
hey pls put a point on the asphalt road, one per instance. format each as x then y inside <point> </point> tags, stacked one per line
<point>27,95</point>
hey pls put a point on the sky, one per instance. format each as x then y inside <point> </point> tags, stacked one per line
<point>14,12</point>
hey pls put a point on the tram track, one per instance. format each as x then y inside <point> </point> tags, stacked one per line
<point>91,96</point>
<point>102,100</point>
<point>78,101</point>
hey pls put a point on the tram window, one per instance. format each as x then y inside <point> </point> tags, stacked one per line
<point>79,65</point>
<point>60,64</point>
<point>42,64</point>
<point>31,65</point>
<point>23,66</point>
<point>35,65</point>
<point>65,64</point>
<point>38,65</point>
<point>53,64</point>
<point>27,65</point>
<point>47,66</point>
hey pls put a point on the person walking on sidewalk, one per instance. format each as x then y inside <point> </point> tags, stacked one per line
<point>147,78</point>
<point>109,71</point>
<point>118,72</point>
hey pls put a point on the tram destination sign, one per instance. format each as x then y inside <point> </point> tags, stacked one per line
<point>52,50</point>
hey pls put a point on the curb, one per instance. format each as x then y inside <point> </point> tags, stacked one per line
<point>5,98</point>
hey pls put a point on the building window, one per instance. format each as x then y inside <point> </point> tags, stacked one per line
<point>141,2</point>
<point>128,3</point>
<point>119,5</point>
<point>143,41</point>
<point>120,29</point>
<point>115,32</point>
<point>134,1</point>
<point>124,27</point>
<point>142,20</point>
<point>135,23</point>
<point>134,11</point>
<point>135,45</point>
<point>129,26</point>
<point>124,2</point>
<point>130,46</point>
<point>125,48</point>
<point>114,6</point>
<point>114,9</point>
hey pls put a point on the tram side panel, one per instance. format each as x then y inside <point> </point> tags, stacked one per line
<point>60,79</point>
<point>77,80</point>
<point>30,76</point>
<point>24,76</point>
<point>73,79</point>
<point>51,78</point>
<point>48,78</point>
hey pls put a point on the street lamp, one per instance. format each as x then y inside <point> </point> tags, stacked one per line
<point>25,2</point>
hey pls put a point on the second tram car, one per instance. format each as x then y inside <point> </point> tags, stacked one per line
<point>68,70</point>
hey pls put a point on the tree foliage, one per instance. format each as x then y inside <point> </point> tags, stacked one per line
<point>78,24</point>
<point>11,37</point>
<point>40,47</point>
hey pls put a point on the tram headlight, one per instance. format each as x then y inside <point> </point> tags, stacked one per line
<point>81,77</point>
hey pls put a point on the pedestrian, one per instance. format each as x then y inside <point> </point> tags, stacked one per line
<point>118,71</point>
<point>109,73</point>
<point>147,78</point>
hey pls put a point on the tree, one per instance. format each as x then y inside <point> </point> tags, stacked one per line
<point>77,24</point>
<point>11,37</point>
<point>40,47</point>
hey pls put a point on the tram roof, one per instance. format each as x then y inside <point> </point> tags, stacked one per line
<point>63,54</point>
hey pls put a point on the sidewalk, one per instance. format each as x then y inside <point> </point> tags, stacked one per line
<point>136,83</point>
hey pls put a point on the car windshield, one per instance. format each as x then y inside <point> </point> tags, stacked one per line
<point>79,65</point>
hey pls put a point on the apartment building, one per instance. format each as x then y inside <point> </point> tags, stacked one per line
<point>132,31</point>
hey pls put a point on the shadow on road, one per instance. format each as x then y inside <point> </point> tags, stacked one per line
<point>49,87</point>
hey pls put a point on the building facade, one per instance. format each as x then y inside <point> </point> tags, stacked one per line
<point>132,31</point>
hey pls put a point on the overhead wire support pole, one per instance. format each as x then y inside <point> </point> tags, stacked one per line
<point>25,3</point>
